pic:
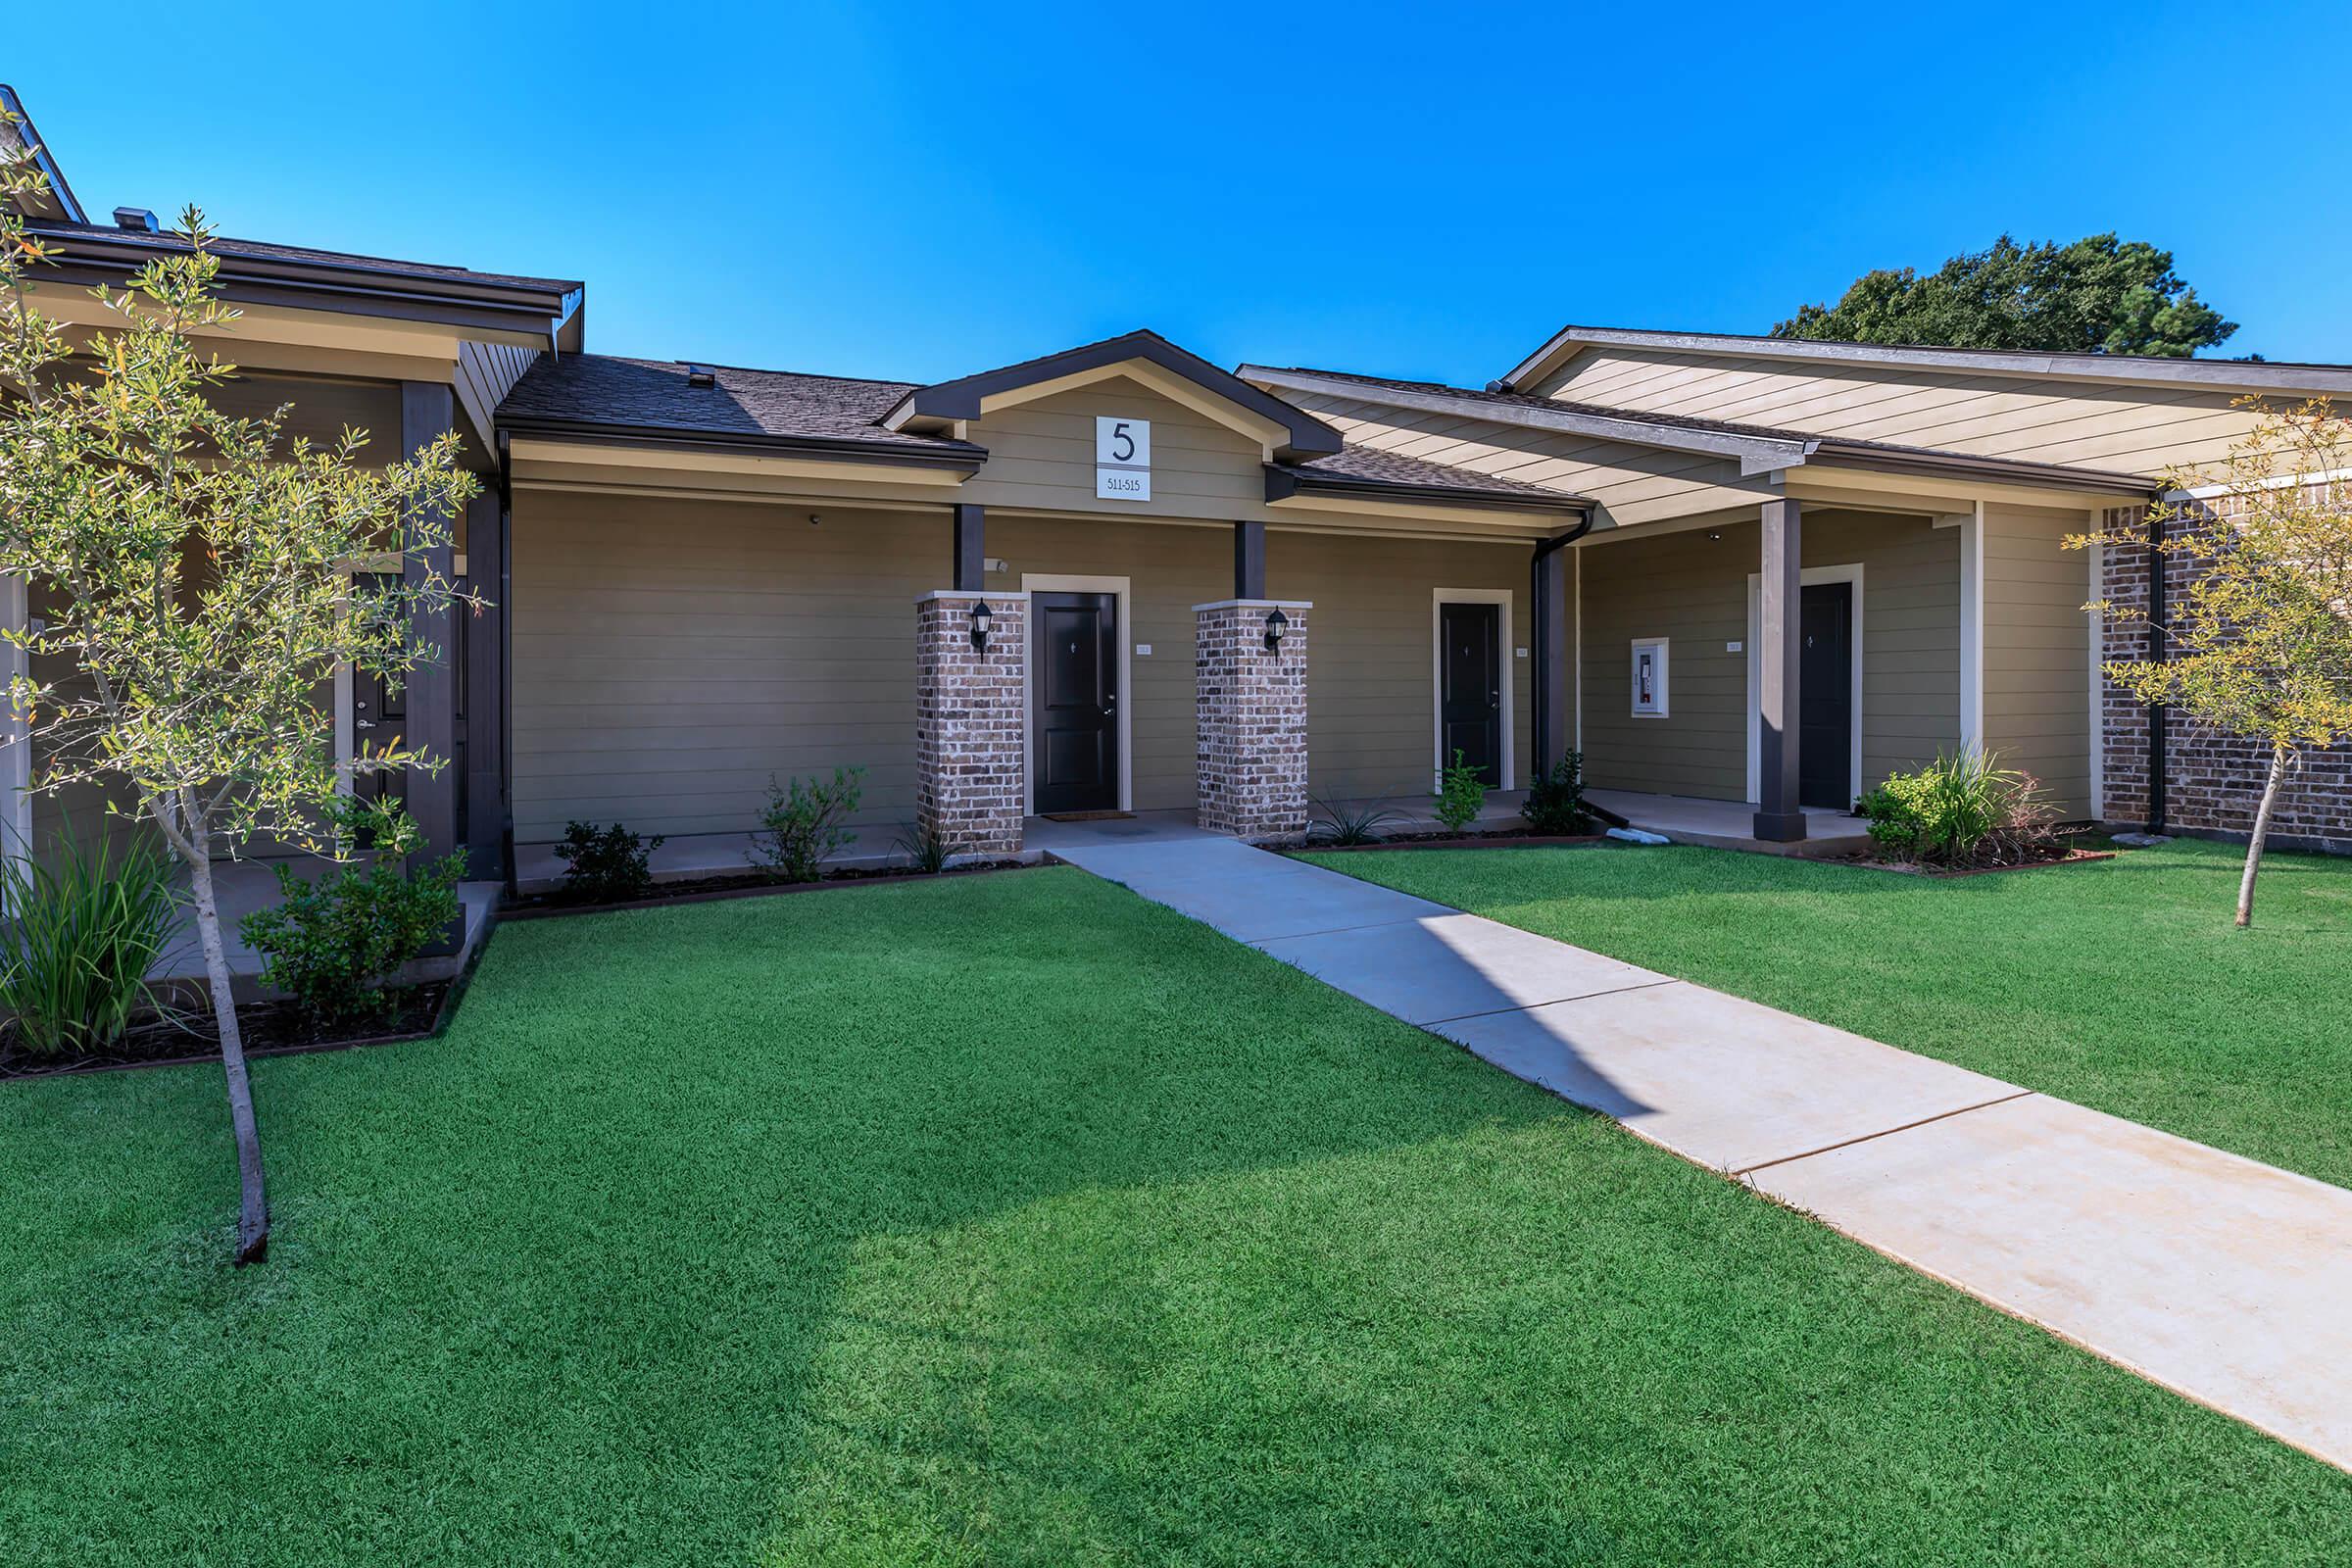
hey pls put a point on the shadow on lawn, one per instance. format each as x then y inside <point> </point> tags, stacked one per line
<point>561,1276</point>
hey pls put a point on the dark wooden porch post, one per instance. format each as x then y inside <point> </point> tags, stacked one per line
<point>972,549</point>
<point>1779,659</point>
<point>485,686</point>
<point>426,409</point>
<point>1248,560</point>
<point>1550,600</point>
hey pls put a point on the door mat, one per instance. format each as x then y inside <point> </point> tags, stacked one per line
<point>1089,816</point>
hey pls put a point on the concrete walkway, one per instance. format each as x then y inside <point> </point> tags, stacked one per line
<point>2228,1281</point>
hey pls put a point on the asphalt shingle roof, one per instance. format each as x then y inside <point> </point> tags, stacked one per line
<point>655,394</point>
<point>1377,466</point>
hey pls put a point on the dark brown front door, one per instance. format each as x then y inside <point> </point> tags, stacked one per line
<point>379,717</point>
<point>1825,757</point>
<point>1074,713</point>
<point>1470,688</point>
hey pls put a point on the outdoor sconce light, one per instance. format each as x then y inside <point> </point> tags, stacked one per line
<point>1277,623</point>
<point>980,620</point>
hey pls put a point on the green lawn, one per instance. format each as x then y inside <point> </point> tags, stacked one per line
<point>2121,984</point>
<point>1007,1220</point>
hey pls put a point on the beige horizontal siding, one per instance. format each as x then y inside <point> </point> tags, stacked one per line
<point>1042,458</point>
<point>1693,589</point>
<point>2134,429</point>
<point>2038,650</point>
<point>670,656</point>
<point>1371,693</point>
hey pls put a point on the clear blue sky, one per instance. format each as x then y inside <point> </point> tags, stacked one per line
<point>928,189</point>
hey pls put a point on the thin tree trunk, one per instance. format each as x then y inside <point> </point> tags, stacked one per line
<point>2279,757</point>
<point>252,1211</point>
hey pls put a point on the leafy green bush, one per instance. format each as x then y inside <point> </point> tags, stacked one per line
<point>331,944</point>
<point>802,824</point>
<point>1555,801</point>
<point>1460,794</point>
<point>80,936</point>
<point>1960,810</point>
<point>605,865</point>
<point>1346,822</point>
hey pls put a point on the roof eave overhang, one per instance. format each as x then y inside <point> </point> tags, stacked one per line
<point>1992,470</point>
<point>947,403</point>
<point>964,460</point>
<point>1282,484</point>
<point>1756,454</point>
<point>353,290</point>
<point>2242,375</point>
<point>69,205</point>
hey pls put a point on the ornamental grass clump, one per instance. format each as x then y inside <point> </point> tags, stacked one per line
<point>1962,810</point>
<point>81,935</point>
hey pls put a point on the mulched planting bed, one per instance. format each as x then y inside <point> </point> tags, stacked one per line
<point>736,885</point>
<point>271,1029</point>
<point>2062,855</point>
<point>1505,838</point>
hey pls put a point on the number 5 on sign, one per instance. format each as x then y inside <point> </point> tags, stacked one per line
<point>1122,459</point>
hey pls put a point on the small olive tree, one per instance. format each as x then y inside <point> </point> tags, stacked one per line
<point>196,581</point>
<point>2259,638</point>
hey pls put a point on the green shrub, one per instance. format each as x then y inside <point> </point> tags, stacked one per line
<point>1555,801</point>
<point>1347,822</point>
<point>1960,810</point>
<point>80,937</point>
<point>605,865</point>
<point>331,944</point>
<point>802,824</point>
<point>1460,794</point>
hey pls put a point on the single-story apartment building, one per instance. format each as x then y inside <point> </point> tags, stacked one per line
<point>1118,577</point>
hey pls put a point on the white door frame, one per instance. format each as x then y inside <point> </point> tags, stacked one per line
<point>1055,582</point>
<point>1438,599</point>
<point>1851,573</point>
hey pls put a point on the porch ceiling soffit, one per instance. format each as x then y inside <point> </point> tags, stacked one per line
<point>1760,453</point>
<point>1283,430</point>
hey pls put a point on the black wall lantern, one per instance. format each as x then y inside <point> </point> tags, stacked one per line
<point>1277,624</point>
<point>980,620</point>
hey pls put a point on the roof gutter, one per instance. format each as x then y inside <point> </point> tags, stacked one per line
<point>1282,483</point>
<point>88,258</point>
<point>964,458</point>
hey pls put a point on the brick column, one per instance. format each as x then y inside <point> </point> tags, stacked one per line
<point>1251,716</point>
<point>969,705</point>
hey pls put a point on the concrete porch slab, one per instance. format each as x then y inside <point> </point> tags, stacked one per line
<point>2222,1279</point>
<point>1720,1081</point>
<point>1429,970</point>
<point>243,886</point>
<point>1731,824</point>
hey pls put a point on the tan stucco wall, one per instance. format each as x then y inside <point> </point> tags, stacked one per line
<point>1691,587</point>
<point>2038,650</point>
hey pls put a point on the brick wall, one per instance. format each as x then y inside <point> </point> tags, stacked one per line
<point>968,705</point>
<point>1251,716</point>
<point>2213,781</point>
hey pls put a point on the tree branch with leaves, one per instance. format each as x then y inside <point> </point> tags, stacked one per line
<point>2258,640</point>
<point>197,577</point>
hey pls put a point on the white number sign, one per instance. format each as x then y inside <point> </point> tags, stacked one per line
<point>1122,459</point>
